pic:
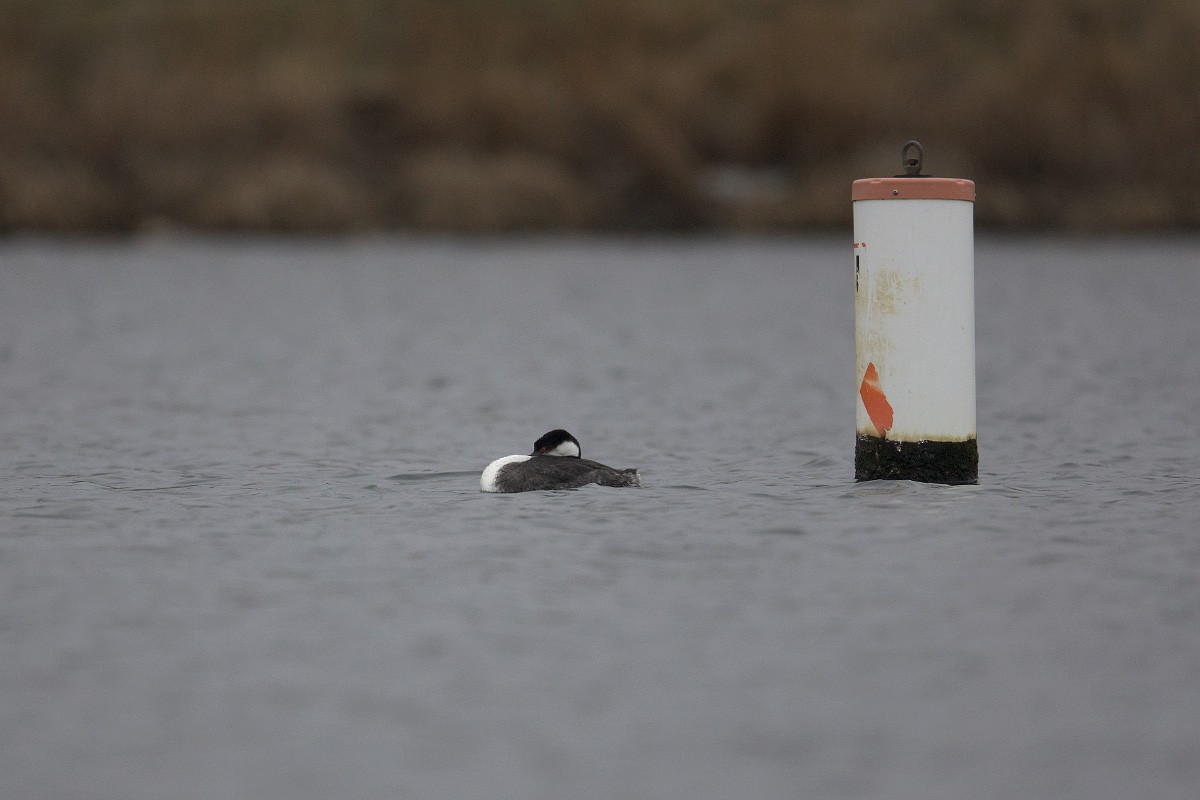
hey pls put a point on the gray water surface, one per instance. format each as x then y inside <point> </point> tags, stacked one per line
<point>244,553</point>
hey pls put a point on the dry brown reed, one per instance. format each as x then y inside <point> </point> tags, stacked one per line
<point>500,115</point>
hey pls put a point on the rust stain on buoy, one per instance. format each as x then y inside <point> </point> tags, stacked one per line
<point>878,407</point>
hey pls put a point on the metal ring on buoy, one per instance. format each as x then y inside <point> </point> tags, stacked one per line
<point>912,166</point>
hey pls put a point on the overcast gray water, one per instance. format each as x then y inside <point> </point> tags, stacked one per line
<point>244,553</point>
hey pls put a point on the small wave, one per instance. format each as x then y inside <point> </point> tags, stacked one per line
<point>170,488</point>
<point>413,477</point>
<point>166,488</point>
<point>70,512</point>
<point>822,461</point>
<point>781,531</point>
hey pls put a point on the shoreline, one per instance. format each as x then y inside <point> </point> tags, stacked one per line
<point>535,116</point>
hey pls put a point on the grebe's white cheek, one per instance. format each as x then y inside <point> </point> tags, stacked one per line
<point>487,481</point>
<point>568,448</point>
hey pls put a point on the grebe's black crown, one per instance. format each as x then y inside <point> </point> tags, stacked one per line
<point>548,441</point>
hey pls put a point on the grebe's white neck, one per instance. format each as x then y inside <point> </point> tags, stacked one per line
<point>567,448</point>
<point>487,481</point>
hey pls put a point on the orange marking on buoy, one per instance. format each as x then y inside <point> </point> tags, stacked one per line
<point>878,407</point>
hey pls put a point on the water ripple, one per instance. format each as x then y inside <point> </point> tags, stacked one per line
<point>417,477</point>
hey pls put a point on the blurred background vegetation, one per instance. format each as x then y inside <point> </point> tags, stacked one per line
<point>614,115</point>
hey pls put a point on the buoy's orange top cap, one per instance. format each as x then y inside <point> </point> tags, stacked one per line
<point>914,189</point>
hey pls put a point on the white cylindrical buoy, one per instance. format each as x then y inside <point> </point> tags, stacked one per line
<point>914,301</point>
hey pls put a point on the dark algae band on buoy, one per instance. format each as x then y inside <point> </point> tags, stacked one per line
<point>914,326</point>
<point>930,462</point>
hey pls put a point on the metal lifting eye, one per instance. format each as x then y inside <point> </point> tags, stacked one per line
<point>912,166</point>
